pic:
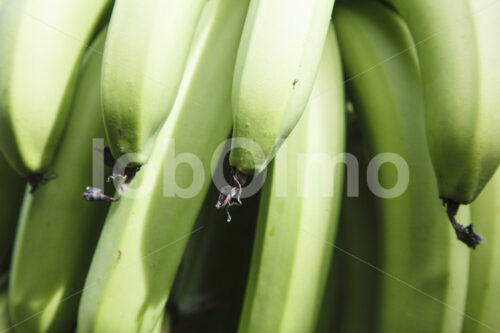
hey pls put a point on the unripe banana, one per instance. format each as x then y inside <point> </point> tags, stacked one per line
<point>483,297</point>
<point>145,55</point>
<point>144,237</point>
<point>11,195</point>
<point>423,269</point>
<point>42,44</point>
<point>58,230</point>
<point>459,51</point>
<point>278,59</point>
<point>298,213</point>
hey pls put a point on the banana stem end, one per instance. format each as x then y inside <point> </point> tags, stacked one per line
<point>230,195</point>
<point>97,194</point>
<point>37,179</point>
<point>464,234</point>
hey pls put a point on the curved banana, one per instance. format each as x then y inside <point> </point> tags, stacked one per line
<point>421,262</point>
<point>144,58</point>
<point>296,228</point>
<point>483,296</point>
<point>58,230</point>
<point>459,51</point>
<point>42,42</point>
<point>11,195</point>
<point>144,237</point>
<point>277,62</point>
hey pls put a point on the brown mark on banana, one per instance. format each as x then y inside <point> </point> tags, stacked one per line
<point>118,257</point>
<point>38,179</point>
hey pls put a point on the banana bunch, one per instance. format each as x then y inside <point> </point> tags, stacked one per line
<point>484,284</point>
<point>417,254</point>
<point>144,59</point>
<point>336,238</point>
<point>144,237</point>
<point>298,212</point>
<point>42,44</point>
<point>58,230</point>
<point>277,62</point>
<point>459,51</point>
<point>11,194</point>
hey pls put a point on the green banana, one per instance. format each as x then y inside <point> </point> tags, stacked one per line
<point>296,228</point>
<point>144,58</point>
<point>350,304</point>
<point>277,62</point>
<point>58,230</point>
<point>11,194</point>
<point>483,298</point>
<point>461,91</point>
<point>43,42</point>
<point>144,237</point>
<point>423,286</point>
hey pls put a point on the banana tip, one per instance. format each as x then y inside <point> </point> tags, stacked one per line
<point>230,195</point>
<point>37,179</point>
<point>464,234</point>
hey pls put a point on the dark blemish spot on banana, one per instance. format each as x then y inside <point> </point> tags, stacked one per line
<point>120,132</point>
<point>118,257</point>
<point>295,82</point>
<point>38,179</point>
